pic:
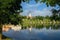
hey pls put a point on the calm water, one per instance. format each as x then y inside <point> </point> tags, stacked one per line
<point>43,33</point>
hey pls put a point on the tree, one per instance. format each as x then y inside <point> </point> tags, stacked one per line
<point>55,14</point>
<point>50,2</point>
<point>58,14</point>
<point>47,17</point>
<point>9,11</point>
<point>39,17</point>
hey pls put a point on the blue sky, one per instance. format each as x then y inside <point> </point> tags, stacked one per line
<point>36,9</point>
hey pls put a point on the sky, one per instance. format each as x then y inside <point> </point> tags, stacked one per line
<point>36,9</point>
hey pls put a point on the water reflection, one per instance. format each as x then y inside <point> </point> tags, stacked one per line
<point>39,32</point>
<point>52,26</point>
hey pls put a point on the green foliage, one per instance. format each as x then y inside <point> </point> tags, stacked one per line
<point>51,2</point>
<point>55,14</point>
<point>38,22</point>
<point>9,11</point>
<point>39,17</point>
<point>47,17</point>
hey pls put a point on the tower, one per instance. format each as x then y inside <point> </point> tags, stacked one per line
<point>29,15</point>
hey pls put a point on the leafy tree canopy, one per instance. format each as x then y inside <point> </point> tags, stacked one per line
<point>50,2</point>
<point>9,11</point>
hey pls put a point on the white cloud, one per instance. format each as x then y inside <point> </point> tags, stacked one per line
<point>43,12</point>
<point>31,6</point>
<point>34,11</point>
<point>34,5</point>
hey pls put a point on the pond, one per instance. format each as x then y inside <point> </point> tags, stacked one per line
<point>37,33</point>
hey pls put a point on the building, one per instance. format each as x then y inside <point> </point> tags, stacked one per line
<point>29,15</point>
